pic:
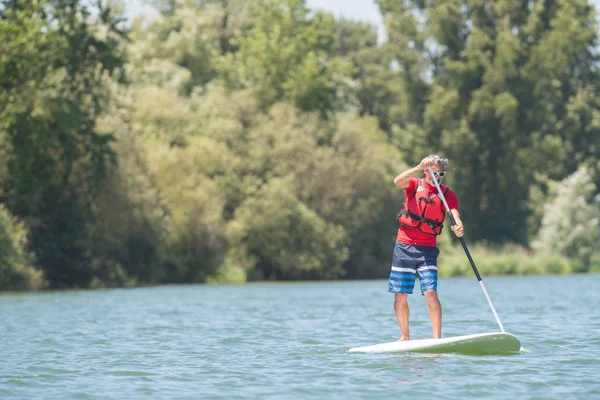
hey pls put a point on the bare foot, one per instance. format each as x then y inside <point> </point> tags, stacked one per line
<point>402,339</point>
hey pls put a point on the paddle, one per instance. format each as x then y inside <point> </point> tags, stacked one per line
<point>464,245</point>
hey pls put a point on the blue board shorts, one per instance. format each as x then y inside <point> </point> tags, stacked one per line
<point>407,262</point>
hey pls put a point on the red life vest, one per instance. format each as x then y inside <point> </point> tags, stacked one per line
<point>424,211</point>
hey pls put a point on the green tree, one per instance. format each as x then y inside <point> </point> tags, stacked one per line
<point>377,88</point>
<point>505,89</point>
<point>288,240</point>
<point>53,76</point>
<point>180,46</point>
<point>283,57</point>
<point>196,241</point>
<point>361,195</point>
<point>342,174</point>
<point>127,238</point>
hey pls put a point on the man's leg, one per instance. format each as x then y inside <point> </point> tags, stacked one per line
<point>435,312</point>
<point>428,280</point>
<point>401,283</point>
<point>402,313</point>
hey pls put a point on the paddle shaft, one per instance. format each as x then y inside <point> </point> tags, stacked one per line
<point>464,245</point>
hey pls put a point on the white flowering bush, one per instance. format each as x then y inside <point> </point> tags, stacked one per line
<point>571,222</point>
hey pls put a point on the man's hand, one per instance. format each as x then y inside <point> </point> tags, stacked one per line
<point>458,229</point>
<point>425,163</point>
<point>403,179</point>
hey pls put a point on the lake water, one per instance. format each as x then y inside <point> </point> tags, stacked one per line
<point>290,340</point>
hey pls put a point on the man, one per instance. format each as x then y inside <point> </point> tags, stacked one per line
<point>416,249</point>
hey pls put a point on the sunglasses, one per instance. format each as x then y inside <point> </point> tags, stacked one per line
<point>440,174</point>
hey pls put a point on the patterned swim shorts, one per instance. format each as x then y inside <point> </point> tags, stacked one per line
<point>407,262</point>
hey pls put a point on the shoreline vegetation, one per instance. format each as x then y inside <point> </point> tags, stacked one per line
<point>512,261</point>
<point>231,141</point>
<point>508,261</point>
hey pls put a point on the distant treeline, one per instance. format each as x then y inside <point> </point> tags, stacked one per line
<point>234,140</point>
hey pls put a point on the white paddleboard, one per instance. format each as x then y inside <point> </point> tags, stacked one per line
<point>479,343</point>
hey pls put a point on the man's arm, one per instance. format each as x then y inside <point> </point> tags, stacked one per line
<point>403,179</point>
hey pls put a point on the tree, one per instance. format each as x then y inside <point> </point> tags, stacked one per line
<point>341,174</point>
<point>286,238</point>
<point>283,57</point>
<point>504,89</point>
<point>377,88</point>
<point>53,77</point>
<point>180,46</point>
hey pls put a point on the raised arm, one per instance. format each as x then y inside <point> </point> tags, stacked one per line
<point>403,179</point>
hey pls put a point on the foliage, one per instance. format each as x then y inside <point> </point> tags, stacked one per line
<point>287,239</point>
<point>179,47</point>
<point>53,80</point>
<point>227,273</point>
<point>507,90</point>
<point>221,141</point>
<point>506,260</point>
<point>283,57</point>
<point>17,271</point>
<point>126,238</point>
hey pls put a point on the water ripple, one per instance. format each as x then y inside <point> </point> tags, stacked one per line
<point>281,341</point>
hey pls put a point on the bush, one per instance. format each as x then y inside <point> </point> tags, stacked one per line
<point>16,264</point>
<point>508,260</point>
<point>287,239</point>
<point>595,264</point>
<point>228,273</point>
<point>571,222</point>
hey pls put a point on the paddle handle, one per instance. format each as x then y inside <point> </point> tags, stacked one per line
<point>464,246</point>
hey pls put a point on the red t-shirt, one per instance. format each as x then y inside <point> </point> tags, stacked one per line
<point>416,236</point>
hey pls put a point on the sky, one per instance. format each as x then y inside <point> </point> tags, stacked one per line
<point>359,10</point>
